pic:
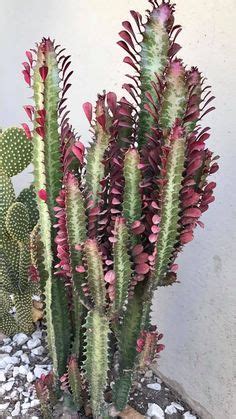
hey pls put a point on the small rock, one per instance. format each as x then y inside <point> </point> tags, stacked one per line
<point>34,417</point>
<point>188,415</point>
<point>155,411</point>
<point>37,334</point>
<point>20,339</point>
<point>15,371</point>
<point>25,359</point>
<point>30,377</point>
<point>38,371</point>
<point>18,353</point>
<point>16,410</point>
<point>8,386</point>
<point>170,410</point>
<point>13,360</point>
<point>33,343</point>
<point>25,406</point>
<point>6,349</point>
<point>35,403</point>
<point>2,391</point>
<point>38,351</point>
<point>14,394</point>
<point>8,367</point>
<point>23,369</point>
<point>4,406</point>
<point>177,406</point>
<point>2,376</point>
<point>6,341</point>
<point>154,386</point>
<point>148,374</point>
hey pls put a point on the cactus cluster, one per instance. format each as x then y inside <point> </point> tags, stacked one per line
<point>113,217</point>
<point>17,217</point>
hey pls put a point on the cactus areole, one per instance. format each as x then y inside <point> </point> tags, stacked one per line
<point>114,217</point>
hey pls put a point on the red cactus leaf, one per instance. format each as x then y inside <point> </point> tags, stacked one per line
<point>174,49</point>
<point>129,61</point>
<point>101,119</point>
<point>29,109</point>
<point>40,131</point>
<point>27,131</point>
<point>174,267</point>
<point>194,166</point>
<point>186,237</point>
<point>26,66</point>
<point>127,38</point>
<point>110,277</point>
<point>142,268</point>
<point>77,152</point>
<point>42,194</point>
<point>27,77</point>
<point>137,250</point>
<point>214,168</point>
<point>43,71</point>
<point>210,187</point>
<point>152,238</point>
<point>155,229</point>
<point>201,224</point>
<point>192,212</point>
<point>139,230</point>
<point>42,113</point>
<point>142,258</point>
<point>80,269</point>
<point>30,57</point>
<point>112,101</point>
<point>116,201</point>
<point>88,110</point>
<point>156,219</point>
<point>127,25</point>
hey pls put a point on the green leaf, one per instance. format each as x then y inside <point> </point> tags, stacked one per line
<point>132,204</point>
<point>75,381</point>
<point>95,275</point>
<point>154,58</point>
<point>96,363</point>
<point>128,334</point>
<point>122,265</point>
<point>76,229</point>
<point>174,101</point>
<point>169,227</point>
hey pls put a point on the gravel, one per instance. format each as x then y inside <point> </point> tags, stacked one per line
<point>22,360</point>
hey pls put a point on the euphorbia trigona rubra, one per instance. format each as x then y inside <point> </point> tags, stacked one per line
<point>114,217</point>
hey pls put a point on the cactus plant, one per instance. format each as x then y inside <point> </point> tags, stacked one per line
<point>17,217</point>
<point>113,219</point>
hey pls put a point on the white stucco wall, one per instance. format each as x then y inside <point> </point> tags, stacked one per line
<point>198,315</point>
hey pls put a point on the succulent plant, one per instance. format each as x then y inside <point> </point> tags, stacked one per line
<point>113,218</point>
<point>17,215</point>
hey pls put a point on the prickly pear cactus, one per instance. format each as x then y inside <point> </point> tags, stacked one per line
<point>17,217</point>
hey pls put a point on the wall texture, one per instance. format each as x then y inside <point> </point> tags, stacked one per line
<point>198,315</point>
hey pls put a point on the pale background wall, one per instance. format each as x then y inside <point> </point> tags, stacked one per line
<point>198,315</point>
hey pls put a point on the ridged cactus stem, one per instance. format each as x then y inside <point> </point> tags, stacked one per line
<point>48,177</point>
